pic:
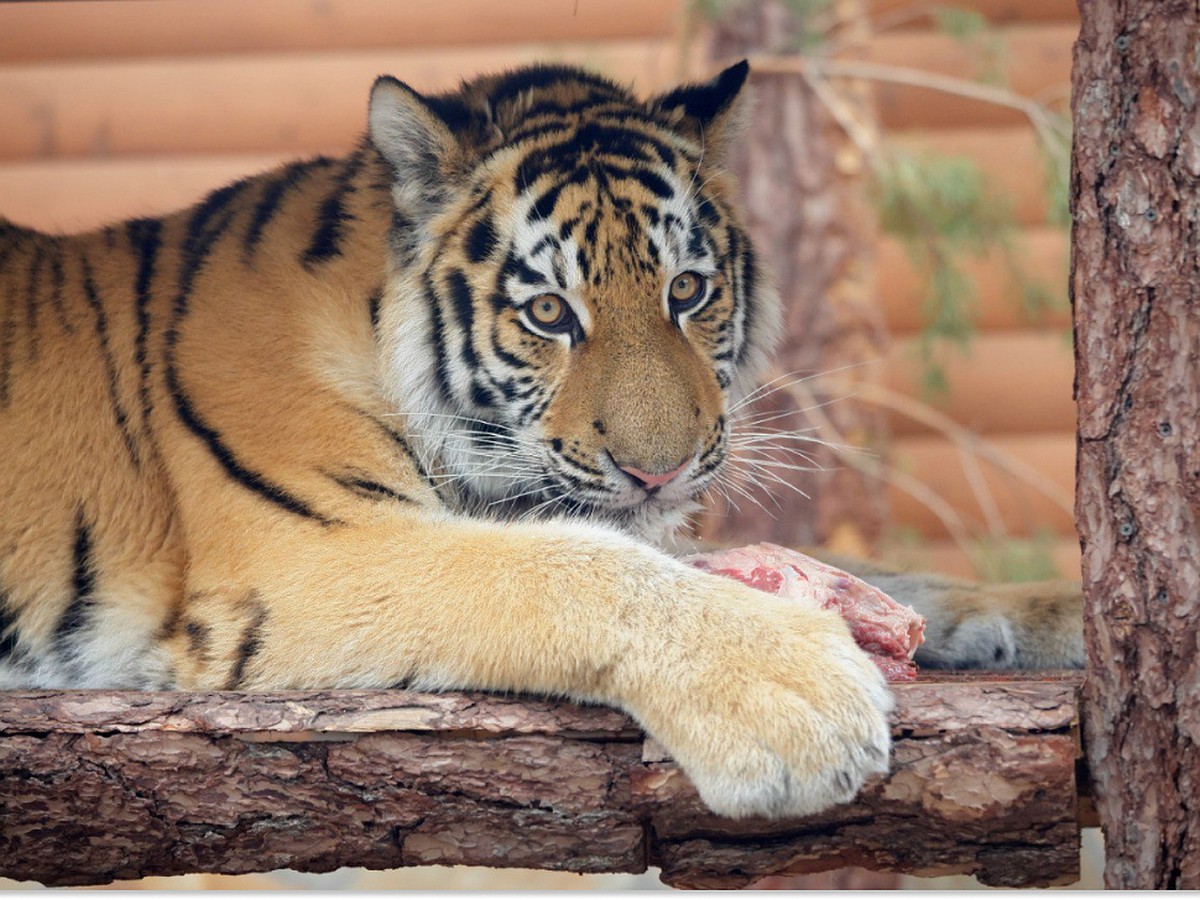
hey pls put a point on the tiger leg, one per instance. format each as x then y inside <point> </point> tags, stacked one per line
<point>975,625</point>
<point>771,709</point>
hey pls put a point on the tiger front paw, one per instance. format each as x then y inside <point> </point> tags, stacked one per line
<point>775,712</point>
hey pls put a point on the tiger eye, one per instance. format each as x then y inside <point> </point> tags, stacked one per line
<point>548,310</point>
<point>687,289</point>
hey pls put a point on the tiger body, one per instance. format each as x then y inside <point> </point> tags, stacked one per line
<point>322,429</point>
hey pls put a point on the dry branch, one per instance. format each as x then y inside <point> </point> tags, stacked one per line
<point>97,786</point>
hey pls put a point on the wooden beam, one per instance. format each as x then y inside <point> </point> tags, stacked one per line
<point>126,29</point>
<point>998,12</point>
<point>259,103</point>
<point>1041,252</point>
<point>1009,382</point>
<point>97,786</point>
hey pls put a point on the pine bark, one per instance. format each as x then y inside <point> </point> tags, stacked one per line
<point>100,786</point>
<point>803,183</point>
<point>1135,285</point>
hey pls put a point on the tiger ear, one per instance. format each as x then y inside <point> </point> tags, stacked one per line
<point>414,136</point>
<point>712,112</point>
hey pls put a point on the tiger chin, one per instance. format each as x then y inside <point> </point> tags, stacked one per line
<point>416,416</point>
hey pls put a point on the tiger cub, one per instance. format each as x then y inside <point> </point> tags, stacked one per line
<point>415,416</point>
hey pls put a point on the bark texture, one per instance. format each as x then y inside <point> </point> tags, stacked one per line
<point>1135,287</point>
<point>804,199</point>
<point>98,786</point>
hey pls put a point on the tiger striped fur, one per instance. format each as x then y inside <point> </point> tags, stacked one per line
<point>415,416</point>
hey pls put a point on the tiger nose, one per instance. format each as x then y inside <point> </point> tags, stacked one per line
<point>651,481</point>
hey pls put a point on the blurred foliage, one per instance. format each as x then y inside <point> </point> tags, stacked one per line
<point>1016,559</point>
<point>995,559</point>
<point>940,209</point>
<point>979,36</point>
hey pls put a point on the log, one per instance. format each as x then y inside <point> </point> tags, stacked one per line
<point>130,28</point>
<point>1009,159</point>
<point>97,786</point>
<point>1010,382</point>
<point>946,557</point>
<point>1035,61</point>
<point>264,102</point>
<point>1040,252</point>
<point>937,462</point>
<point>998,12</point>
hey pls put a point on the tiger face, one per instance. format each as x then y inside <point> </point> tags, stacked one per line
<point>592,303</point>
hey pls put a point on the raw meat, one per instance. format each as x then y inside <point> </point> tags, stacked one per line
<point>888,631</point>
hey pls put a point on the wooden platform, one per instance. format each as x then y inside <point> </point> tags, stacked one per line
<point>99,786</point>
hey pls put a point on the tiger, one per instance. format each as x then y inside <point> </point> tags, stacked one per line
<point>426,415</point>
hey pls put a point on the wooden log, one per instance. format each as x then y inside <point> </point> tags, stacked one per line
<point>944,555</point>
<point>1009,159</point>
<point>1041,253</point>
<point>83,194</point>
<point>937,462</point>
<point>131,28</point>
<point>97,786</point>
<point>300,101</point>
<point>1011,382</point>
<point>998,12</point>
<point>1032,61</point>
<point>268,102</point>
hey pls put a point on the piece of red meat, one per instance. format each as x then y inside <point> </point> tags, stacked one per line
<point>888,631</point>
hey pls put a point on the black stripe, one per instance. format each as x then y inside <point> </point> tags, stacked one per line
<point>437,337</point>
<point>145,236</point>
<point>8,334</point>
<point>655,184</point>
<point>248,478</point>
<point>83,583</point>
<point>9,636</point>
<point>513,84</point>
<point>481,240</point>
<point>503,355</point>
<point>202,234</point>
<point>332,214</point>
<point>250,644</point>
<point>110,369</point>
<point>463,303</point>
<point>58,280</point>
<point>373,304</point>
<point>32,296</point>
<point>197,639</point>
<point>406,448</point>
<point>543,207</point>
<point>749,283</point>
<point>272,198</point>
<point>372,490</point>
<point>518,268</point>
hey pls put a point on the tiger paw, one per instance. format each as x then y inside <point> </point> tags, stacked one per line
<point>775,712</point>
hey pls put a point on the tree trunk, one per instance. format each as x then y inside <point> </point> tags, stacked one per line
<point>1135,282</point>
<point>97,786</point>
<point>804,197</point>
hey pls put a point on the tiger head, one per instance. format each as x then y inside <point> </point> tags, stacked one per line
<point>574,305</point>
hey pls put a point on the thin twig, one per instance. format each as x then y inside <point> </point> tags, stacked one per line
<point>875,468</point>
<point>947,84</point>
